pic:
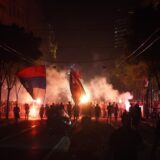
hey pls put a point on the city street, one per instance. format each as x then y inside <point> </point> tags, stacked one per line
<point>79,80</point>
<point>26,140</point>
<point>32,140</point>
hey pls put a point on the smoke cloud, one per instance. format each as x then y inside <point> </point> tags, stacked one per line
<point>58,89</point>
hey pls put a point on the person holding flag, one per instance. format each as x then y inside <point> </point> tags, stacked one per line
<point>76,87</point>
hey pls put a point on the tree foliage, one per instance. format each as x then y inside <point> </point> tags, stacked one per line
<point>130,77</point>
<point>16,43</point>
<point>17,48</point>
<point>146,29</point>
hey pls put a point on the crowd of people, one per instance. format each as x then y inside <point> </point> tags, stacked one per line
<point>127,134</point>
<point>110,110</point>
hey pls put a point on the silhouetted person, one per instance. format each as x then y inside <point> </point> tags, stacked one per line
<point>116,111</point>
<point>125,114</point>
<point>97,112</point>
<point>136,117</point>
<point>131,112</point>
<point>47,110</point>
<point>26,108</point>
<point>125,142</point>
<point>16,111</point>
<point>61,109</point>
<point>109,109</point>
<point>69,109</point>
<point>156,141</point>
<point>76,110</point>
<point>41,111</point>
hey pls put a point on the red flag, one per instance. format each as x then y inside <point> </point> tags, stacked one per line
<point>76,87</point>
<point>33,79</point>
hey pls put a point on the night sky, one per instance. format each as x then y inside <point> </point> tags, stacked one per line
<point>84,31</point>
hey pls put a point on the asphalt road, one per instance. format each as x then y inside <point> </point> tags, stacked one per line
<point>32,141</point>
<point>26,141</point>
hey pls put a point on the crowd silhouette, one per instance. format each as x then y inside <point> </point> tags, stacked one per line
<point>125,142</point>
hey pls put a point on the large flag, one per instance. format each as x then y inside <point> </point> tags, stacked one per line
<point>33,79</point>
<point>76,87</point>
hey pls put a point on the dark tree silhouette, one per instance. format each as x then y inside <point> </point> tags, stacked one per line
<point>16,42</point>
<point>17,48</point>
<point>145,23</point>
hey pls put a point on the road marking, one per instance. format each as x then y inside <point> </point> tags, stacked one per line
<point>62,146</point>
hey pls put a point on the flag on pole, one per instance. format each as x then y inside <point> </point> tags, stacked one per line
<point>33,79</point>
<point>76,87</point>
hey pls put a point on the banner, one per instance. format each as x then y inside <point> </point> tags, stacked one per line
<point>76,87</point>
<point>33,79</point>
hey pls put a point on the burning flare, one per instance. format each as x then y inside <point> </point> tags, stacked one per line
<point>35,108</point>
<point>84,99</point>
<point>33,112</point>
<point>38,101</point>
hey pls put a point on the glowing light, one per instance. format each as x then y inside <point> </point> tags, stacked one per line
<point>84,99</point>
<point>120,101</point>
<point>33,112</point>
<point>142,108</point>
<point>127,105</point>
<point>38,101</point>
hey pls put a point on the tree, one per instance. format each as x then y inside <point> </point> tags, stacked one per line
<point>146,23</point>
<point>10,81</point>
<point>18,48</point>
<point>16,43</point>
<point>130,77</point>
<point>2,78</point>
<point>18,86</point>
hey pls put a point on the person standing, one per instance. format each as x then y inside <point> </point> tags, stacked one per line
<point>116,111</point>
<point>41,111</point>
<point>76,111</point>
<point>125,142</point>
<point>47,110</point>
<point>16,111</point>
<point>97,112</point>
<point>109,109</point>
<point>26,108</point>
<point>136,115</point>
<point>69,109</point>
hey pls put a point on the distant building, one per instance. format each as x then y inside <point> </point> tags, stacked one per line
<point>122,30</point>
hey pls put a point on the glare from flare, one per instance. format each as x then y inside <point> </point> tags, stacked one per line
<point>33,112</point>
<point>38,101</point>
<point>127,105</point>
<point>84,99</point>
<point>120,101</point>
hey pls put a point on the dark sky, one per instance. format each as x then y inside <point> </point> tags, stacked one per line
<point>83,30</point>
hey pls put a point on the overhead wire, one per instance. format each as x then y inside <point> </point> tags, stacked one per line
<point>141,45</point>
<point>31,61</point>
<point>20,54</point>
<point>13,51</point>
<point>147,47</point>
